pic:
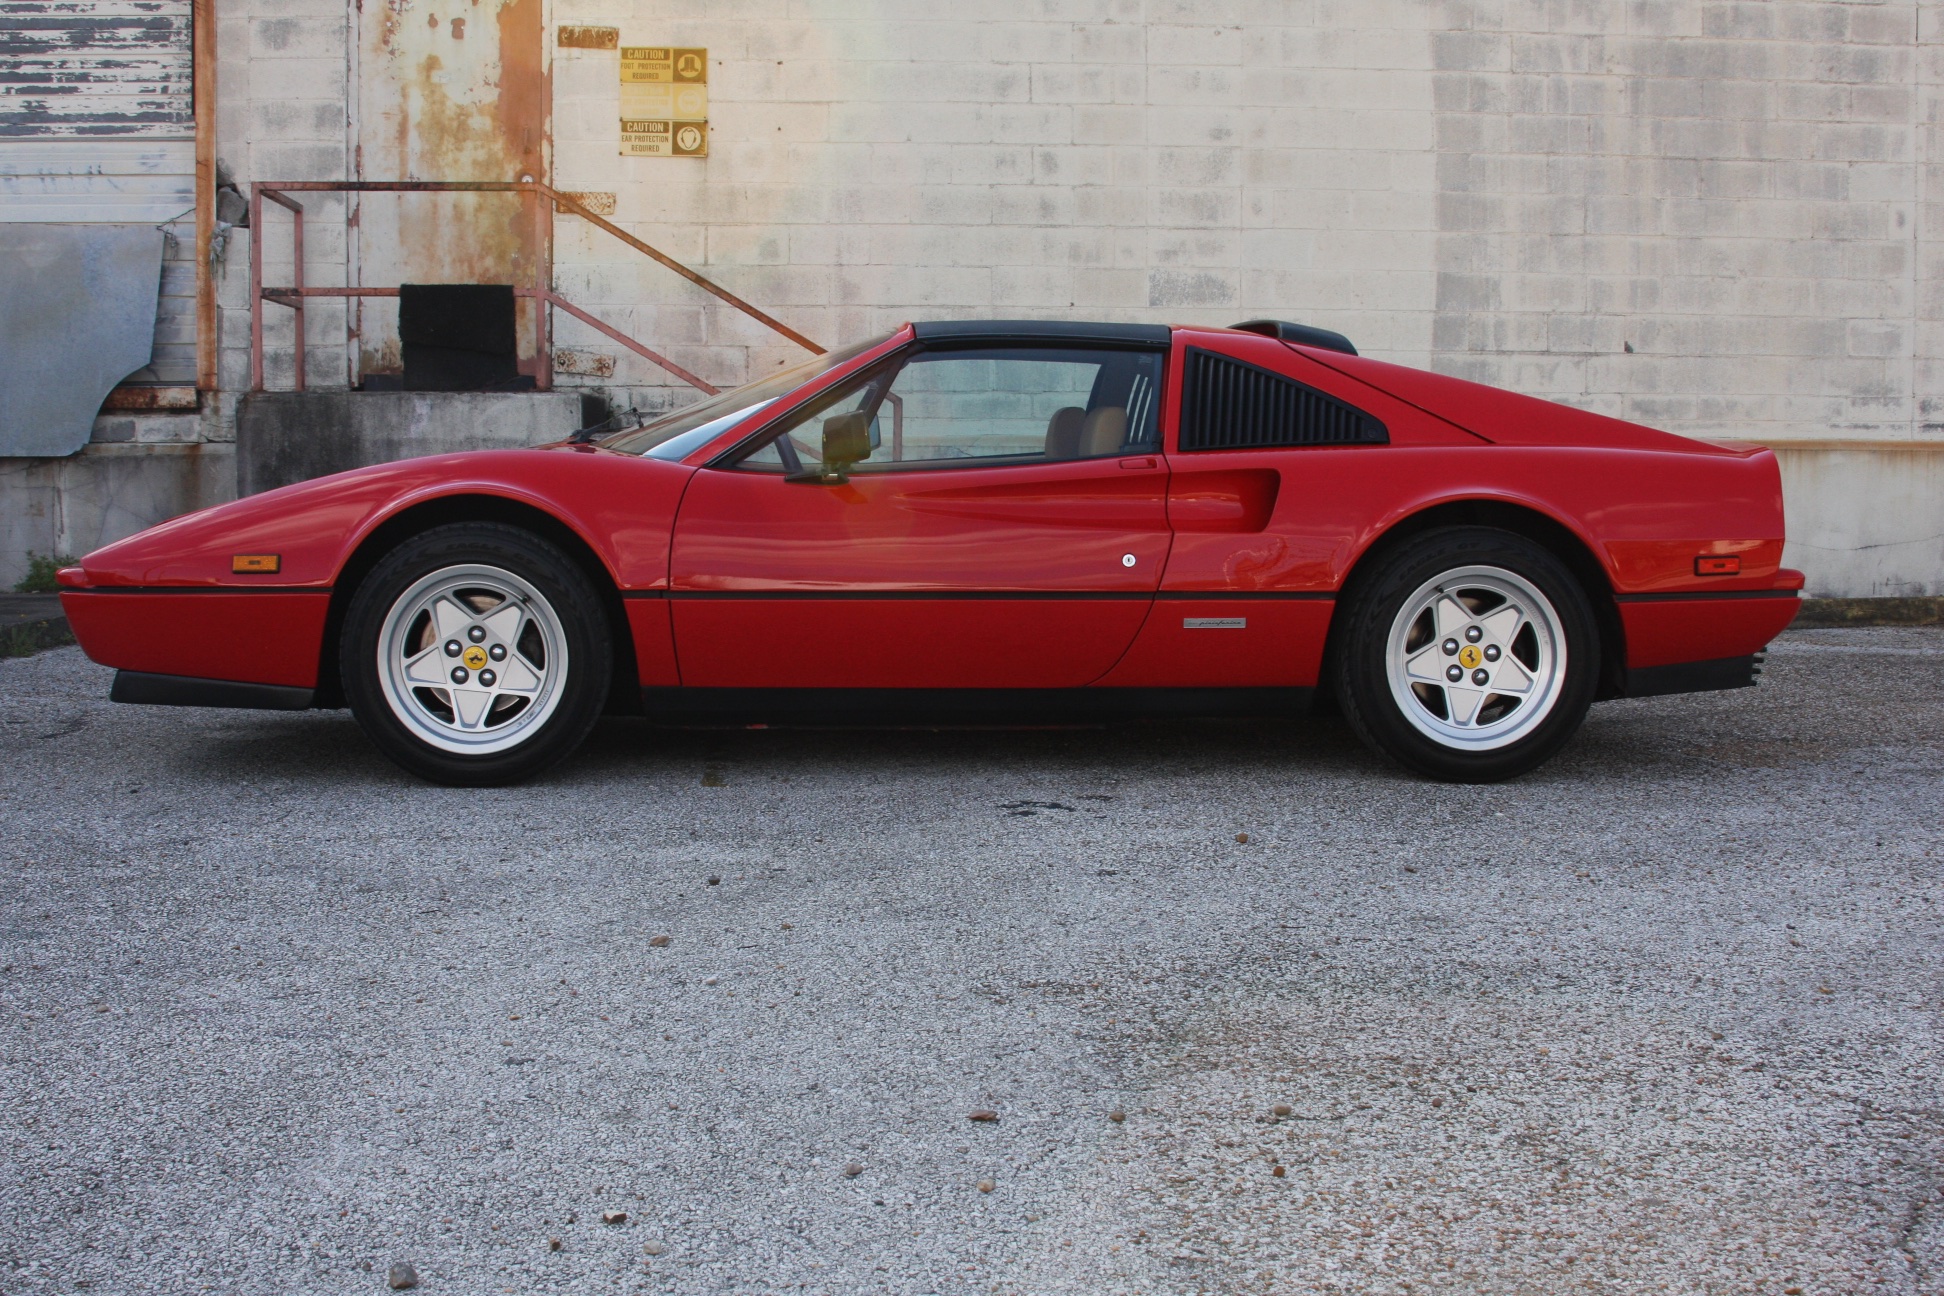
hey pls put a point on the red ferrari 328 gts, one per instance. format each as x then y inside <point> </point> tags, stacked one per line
<point>975,522</point>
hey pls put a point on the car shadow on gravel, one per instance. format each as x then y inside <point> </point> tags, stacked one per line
<point>330,748</point>
<point>1651,740</point>
<point>1303,749</point>
<point>317,746</point>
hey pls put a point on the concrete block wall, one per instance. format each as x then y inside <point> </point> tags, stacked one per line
<point>1715,217</point>
<point>281,77</point>
<point>1720,217</point>
<point>109,490</point>
<point>284,68</point>
<point>1120,159</point>
<point>1703,216</point>
<point>1865,518</point>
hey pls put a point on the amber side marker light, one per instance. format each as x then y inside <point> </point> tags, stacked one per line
<point>1705,565</point>
<point>255,564</point>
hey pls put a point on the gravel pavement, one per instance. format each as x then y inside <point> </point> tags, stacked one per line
<point>1662,1017</point>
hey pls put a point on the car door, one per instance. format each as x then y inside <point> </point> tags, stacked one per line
<point>1006,528</point>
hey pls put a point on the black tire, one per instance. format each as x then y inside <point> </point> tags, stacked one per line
<point>568,610</point>
<point>1361,659</point>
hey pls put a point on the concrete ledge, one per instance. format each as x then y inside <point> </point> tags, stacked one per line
<point>1865,518</point>
<point>31,622</point>
<point>287,437</point>
<point>1825,613</point>
<point>104,493</point>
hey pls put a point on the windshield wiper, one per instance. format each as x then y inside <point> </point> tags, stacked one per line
<point>626,421</point>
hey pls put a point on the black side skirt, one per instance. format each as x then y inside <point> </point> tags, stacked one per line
<point>184,690</point>
<point>930,707</point>
<point>1695,677</point>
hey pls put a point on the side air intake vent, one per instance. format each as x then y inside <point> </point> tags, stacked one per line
<point>1229,405</point>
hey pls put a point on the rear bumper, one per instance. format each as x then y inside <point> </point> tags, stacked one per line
<point>1694,641</point>
<point>1667,629</point>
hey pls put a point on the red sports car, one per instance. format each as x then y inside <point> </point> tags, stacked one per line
<point>980,522</point>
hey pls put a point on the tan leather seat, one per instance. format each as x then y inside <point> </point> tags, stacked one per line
<point>1104,431</point>
<point>1063,433</point>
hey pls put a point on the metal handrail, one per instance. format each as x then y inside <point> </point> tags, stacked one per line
<point>541,292</point>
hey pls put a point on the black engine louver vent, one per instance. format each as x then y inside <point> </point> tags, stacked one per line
<point>1229,405</point>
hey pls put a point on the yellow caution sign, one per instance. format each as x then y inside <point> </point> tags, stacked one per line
<point>649,137</point>
<point>663,65</point>
<point>664,101</point>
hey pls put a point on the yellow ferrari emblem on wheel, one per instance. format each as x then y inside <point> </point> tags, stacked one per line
<point>475,657</point>
<point>1468,656</point>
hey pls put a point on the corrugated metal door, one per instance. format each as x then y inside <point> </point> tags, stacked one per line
<point>97,127</point>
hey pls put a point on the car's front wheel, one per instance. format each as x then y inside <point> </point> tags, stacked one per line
<point>475,654</point>
<point>1467,654</point>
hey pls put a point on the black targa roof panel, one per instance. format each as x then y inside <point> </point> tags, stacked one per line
<point>1155,335</point>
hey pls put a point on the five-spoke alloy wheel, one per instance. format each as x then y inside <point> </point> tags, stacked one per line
<point>470,657</point>
<point>475,654</point>
<point>1467,654</point>
<point>1476,658</point>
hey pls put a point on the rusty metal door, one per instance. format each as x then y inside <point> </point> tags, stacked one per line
<point>453,90</point>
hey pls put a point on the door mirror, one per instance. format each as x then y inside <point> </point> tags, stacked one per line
<point>846,440</point>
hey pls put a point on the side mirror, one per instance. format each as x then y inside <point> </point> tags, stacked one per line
<point>846,440</point>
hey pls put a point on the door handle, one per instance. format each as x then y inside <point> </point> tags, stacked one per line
<point>1144,462</point>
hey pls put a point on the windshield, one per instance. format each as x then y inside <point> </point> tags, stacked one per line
<point>674,435</point>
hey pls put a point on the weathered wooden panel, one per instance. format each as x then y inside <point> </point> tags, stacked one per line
<point>107,181</point>
<point>89,68</point>
<point>97,127</point>
<point>174,359</point>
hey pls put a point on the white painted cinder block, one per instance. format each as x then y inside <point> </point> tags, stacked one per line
<point>1719,218</point>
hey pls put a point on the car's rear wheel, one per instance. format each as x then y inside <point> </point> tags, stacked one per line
<point>1467,654</point>
<point>475,654</point>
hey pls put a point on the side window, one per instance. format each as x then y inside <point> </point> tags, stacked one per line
<point>986,404</point>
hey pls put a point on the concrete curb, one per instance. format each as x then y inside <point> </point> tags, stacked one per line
<point>31,622</point>
<point>1826,613</point>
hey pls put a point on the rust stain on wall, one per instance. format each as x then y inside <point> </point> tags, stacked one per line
<point>601,204</point>
<point>594,38</point>
<point>526,84</point>
<point>592,364</point>
<point>127,399</point>
<point>453,98</point>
